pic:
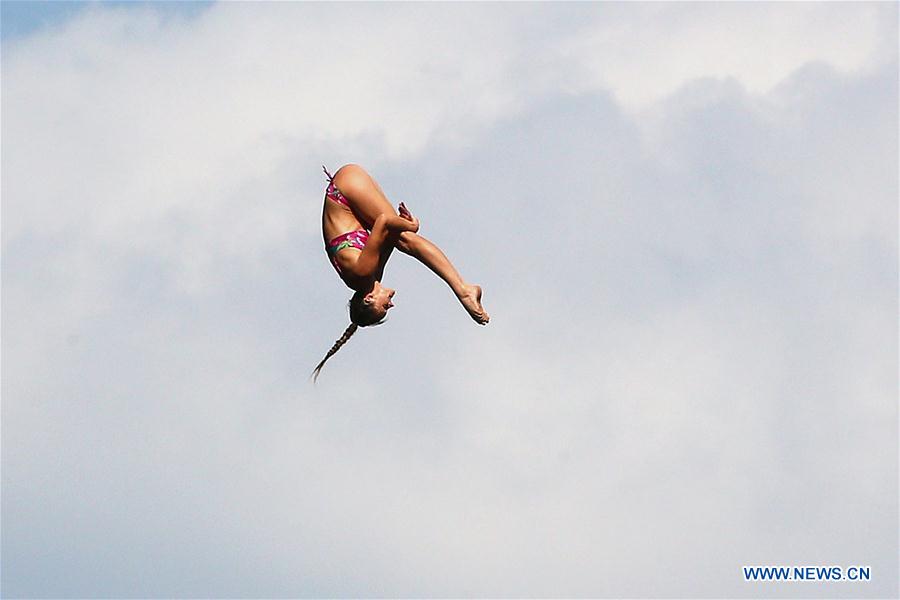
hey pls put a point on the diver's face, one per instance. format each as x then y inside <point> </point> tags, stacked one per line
<point>380,298</point>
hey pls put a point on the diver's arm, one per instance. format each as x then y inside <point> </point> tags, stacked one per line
<point>383,237</point>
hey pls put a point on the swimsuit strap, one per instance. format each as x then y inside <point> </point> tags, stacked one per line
<point>332,193</point>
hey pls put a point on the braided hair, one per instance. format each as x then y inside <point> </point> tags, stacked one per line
<point>360,316</point>
<point>337,346</point>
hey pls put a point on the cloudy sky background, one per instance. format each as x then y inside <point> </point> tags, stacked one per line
<point>684,218</point>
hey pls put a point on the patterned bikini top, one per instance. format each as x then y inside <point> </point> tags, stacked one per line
<point>331,192</point>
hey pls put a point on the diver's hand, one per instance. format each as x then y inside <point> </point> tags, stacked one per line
<point>405,214</point>
<point>396,224</point>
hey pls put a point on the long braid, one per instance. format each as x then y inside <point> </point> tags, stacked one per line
<point>337,346</point>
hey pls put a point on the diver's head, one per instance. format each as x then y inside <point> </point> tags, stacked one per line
<point>370,308</point>
<point>366,308</point>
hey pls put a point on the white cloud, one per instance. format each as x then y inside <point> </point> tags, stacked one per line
<point>644,59</point>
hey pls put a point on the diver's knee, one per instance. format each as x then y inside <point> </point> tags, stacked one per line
<point>351,179</point>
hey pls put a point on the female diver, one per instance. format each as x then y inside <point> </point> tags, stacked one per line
<point>361,229</point>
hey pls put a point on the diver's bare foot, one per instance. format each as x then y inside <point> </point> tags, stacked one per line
<point>471,300</point>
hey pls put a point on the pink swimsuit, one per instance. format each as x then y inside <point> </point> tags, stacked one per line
<point>352,239</point>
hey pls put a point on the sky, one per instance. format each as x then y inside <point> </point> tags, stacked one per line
<point>684,218</point>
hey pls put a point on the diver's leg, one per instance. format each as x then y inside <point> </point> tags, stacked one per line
<point>432,257</point>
